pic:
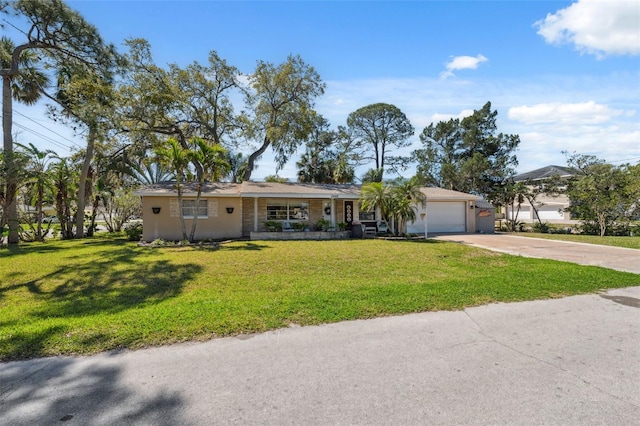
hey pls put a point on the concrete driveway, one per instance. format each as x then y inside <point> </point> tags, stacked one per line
<point>621,259</point>
<point>570,361</point>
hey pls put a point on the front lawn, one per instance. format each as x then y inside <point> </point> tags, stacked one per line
<point>81,297</point>
<point>626,242</point>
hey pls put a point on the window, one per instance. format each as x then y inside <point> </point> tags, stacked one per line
<point>366,215</point>
<point>287,210</point>
<point>189,208</point>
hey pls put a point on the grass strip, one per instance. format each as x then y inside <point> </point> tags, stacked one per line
<point>625,242</point>
<point>87,296</point>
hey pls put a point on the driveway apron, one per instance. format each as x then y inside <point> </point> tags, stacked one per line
<point>621,259</point>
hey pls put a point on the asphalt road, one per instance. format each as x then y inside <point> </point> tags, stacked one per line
<point>621,259</point>
<point>570,361</point>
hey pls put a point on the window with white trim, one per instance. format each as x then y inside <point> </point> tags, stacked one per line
<point>189,209</point>
<point>366,215</point>
<point>287,210</point>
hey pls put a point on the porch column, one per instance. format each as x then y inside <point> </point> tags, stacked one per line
<point>255,214</point>
<point>333,212</point>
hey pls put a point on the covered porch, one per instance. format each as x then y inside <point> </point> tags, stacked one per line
<point>299,209</point>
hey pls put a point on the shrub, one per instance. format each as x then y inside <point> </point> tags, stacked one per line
<point>133,231</point>
<point>298,226</point>
<point>323,225</point>
<point>541,227</point>
<point>273,226</point>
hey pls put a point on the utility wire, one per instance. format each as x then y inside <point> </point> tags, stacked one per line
<point>44,137</point>
<point>625,159</point>
<point>48,129</point>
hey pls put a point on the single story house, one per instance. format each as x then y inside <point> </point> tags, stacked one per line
<point>229,210</point>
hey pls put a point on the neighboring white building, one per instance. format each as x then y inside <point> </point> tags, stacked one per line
<point>549,209</point>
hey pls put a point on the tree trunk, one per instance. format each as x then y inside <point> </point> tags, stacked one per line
<point>91,140</point>
<point>11,180</point>
<point>602,221</point>
<point>253,157</point>
<point>39,235</point>
<point>195,217</point>
<point>182,223</point>
<point>94,214</point>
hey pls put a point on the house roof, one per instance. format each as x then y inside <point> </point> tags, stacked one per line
<point>168,189</point>
<point>286,190</point>
<point>447,194</point>
<point>545,173</point>
<point>484,204</point>
<point>299,190</point>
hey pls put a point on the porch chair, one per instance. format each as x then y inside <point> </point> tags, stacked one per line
<point>382,228</point>
<point>368,231</point>
<point>286,227</point>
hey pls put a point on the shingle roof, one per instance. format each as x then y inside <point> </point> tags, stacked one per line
<point>544,173</point>
<point>219,189</point>
<point>299,190</point>
<point>447,194</point>
<point>288,190</point>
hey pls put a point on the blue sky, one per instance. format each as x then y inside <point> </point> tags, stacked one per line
<point>564,75</point>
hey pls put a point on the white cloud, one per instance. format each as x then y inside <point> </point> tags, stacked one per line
<point>462,63</point>
<point>596,27</point>
<point>243,80</point>
<point>446,117</point>
<point>574,113</point>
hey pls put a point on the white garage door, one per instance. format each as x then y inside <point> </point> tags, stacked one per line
<point>550,213</point>
<point>446,216</point>
<point>523,214</point>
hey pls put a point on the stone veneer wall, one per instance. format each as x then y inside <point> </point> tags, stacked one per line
<point>247,216</point>
<point>315,212</point>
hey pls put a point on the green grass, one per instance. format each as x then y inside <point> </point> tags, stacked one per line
<point>82,297</point>
<point>626,242</point>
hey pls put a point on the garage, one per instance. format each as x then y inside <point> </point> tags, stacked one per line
<point>447,216</point>
<point>550,213</point>
<point>523,214</point>
<point>442,216</point>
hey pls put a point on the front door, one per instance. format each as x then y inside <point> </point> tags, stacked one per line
<point>348,213</point>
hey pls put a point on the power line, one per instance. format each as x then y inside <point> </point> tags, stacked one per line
<point>44,137</point>
<point>625,159</point>
<point>48,129</point>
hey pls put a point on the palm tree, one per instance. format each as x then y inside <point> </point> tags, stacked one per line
<point>213,167</point>
<point>38,178</point>
<point>176,158</point>
<point>396,201</point>
<point>22,81</point>
<point>406,194</point>
<point>64,174</point>
<point>377,195</point>
<point>237,165</point>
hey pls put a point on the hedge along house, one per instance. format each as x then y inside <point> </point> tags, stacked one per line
<point>228,210</point>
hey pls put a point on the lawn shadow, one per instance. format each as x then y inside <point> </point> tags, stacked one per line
<point>247,246</point>
<point>28,248</point>
<point>118,280</point>
<point>80,391</point>
<point>27,345</point>
<point>413,240</point>
<point>58,246</point>
<point>101,287</point>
